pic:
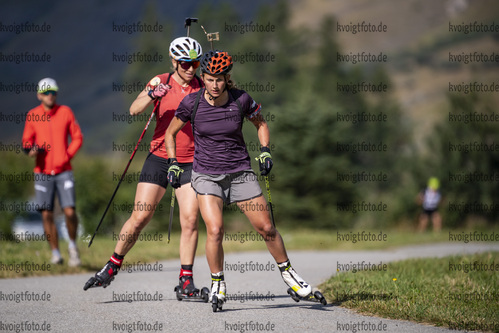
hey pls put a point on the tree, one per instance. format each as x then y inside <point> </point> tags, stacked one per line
<point>464,155</point>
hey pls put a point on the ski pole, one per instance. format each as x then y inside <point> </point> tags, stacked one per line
<point>124,172</point>
<point>212,36</point>
<point>267,184</point>
<point>172,207</point>
<point>188,22</point>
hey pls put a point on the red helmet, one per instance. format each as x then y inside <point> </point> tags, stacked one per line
<point>216,62</point>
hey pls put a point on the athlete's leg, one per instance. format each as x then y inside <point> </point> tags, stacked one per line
<point>423,221</point>
<point>211,208</point>
<point>65,190</point>
<point>147,195</point>
<point>257,213</point>
<point>188,207</point>
<point>44,198</point>
<point>50,229</point>
<point>437,221</point>
<point>71,222</point>
<point>72,226</point>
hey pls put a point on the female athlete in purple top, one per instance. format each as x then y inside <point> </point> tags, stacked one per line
<point>218,139</point>
<point>222,169</point>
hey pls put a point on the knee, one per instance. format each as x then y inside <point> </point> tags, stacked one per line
<point>70,213</point>
<point>215,233</point>
<point>48,217</point>
<point>189,223</point>
<point>47,214</point>
<point>139,221</point>
<point>268,231</point>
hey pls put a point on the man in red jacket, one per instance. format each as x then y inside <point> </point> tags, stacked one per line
<point>45,138</point>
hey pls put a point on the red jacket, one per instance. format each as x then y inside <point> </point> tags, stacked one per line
<point>50,130</point>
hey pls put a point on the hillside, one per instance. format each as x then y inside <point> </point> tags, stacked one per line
<point>417,43</point>
<point>79,50</point>
<point>82,44</point>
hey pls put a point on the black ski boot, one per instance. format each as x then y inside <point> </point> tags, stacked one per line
<point>104,277</point>
<point>187,290</point>
<point>186,285</point>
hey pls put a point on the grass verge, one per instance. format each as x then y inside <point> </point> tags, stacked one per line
<point>459,292</point>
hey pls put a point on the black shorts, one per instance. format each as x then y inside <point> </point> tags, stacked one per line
<point>429,212</point>
<point>155,171</point>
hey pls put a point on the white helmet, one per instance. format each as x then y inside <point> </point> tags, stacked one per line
<point>46,85</point>
<point>185,49</point>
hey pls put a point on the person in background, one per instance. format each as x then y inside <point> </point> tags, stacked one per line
<point>47,129</point>
<point>429,200</point>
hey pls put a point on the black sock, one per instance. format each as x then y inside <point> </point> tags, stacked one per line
<point>116,259</point>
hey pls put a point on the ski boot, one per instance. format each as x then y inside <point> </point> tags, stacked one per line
<point>299,289</point>
<point>315,297</point>
<point>186,290</point>
<point>217,295</point>
<point>104,277</point>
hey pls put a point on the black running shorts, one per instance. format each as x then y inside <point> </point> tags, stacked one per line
<point>155,171</point>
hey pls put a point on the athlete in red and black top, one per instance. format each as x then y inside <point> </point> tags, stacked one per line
<point>168,90</point>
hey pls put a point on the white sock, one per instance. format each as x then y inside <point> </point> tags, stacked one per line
<point>72,244</point>
<point>56,253</point>
<point>284,264</point>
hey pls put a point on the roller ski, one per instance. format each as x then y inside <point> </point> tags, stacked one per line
<point>312,297</point>
<point>217,295</point>
<point>299,290</point>
<point>186,290</point>
<point>104,277</point>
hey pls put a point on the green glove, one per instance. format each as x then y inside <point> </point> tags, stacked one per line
<point>265,161</point>
<point>174,172</point>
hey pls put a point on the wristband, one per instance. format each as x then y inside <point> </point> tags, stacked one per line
<point>150,94</point>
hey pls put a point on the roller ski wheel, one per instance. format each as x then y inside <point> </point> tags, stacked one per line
<point>318,296</point>
<point>90,283</point>
<point>216,304</point>
<point>103,278</point>
<point>93,282</point>
<point>203,295</point>
<point>312,297</point>
<point>293,295</point>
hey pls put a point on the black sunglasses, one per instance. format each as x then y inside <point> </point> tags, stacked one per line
<point>187,64</point>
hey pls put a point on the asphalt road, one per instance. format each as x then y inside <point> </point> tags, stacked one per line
<point>143,300</point>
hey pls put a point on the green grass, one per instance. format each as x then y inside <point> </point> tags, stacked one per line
<point>96,256</point>
<point>433,291</point>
